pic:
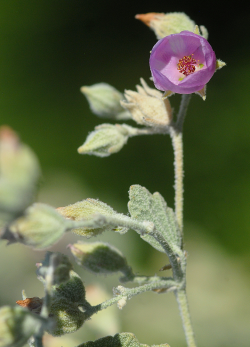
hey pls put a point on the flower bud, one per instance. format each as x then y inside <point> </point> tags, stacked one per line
<point>18,177</point>
<point>61,267</point>
<point>32,304</point>
<point>147,106</point>
<point>39,228</point>
<point>169,23</point>
<point>86,209</point>
<point>17,326</point>
<point>104,101</point>
<point>105,140</point>
<point>99,257</point>
<point>67,307</point>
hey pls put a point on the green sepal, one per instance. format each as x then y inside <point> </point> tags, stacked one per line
<point>145,206</point>
<point>73,290</point>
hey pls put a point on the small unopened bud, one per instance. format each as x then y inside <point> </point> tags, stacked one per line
<point>18,175</point>
<point>61,267</point>
<point>147,106</point>
<point>104,101</point>
<point>68,300</point>
<point>32,304</point>
<point>40,227</point>
<point>86,209</point>
<point>105,140</point>
<point>169,23</point>
<point>17,325</point>
<point>99,257</point>
<point>118,290</point>
<point>121,303</point>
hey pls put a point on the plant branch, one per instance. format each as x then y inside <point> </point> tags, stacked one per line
<point>185,98</point>
<point>181,298</point>
<point>127,293</point>
<point>119,219</point>
<point>146,130</point>
<point>176,137</point>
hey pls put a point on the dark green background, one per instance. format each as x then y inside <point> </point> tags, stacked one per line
<point>49,49</point>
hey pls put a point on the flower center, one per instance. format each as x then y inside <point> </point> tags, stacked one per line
<point>187,65</point>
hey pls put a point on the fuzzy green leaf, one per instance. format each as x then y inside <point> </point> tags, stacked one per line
<point>119,340</point>
<point>145,206</point>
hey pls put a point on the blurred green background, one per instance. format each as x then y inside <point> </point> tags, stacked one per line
<point>49,49</point>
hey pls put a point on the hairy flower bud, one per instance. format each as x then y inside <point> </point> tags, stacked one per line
<point>147,106</point>
<point>170,23</point>
<point>17,325</point>
<point>32,304</point>
<point>67,307</point>
<point>86,209</point>
<point>40,227</point>
<point>99,257</point>
<point>18,176</point>
<point>105,140</point>
<point>104,101</point>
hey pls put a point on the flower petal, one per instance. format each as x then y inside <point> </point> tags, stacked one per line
<point>172,49</point>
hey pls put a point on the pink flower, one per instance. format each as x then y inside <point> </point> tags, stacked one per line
<point>182,63</point>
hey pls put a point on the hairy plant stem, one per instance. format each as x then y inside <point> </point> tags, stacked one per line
<point>177,142</point>
<point>127,293</point>
<point>181,297</point>
<point>178,169</point>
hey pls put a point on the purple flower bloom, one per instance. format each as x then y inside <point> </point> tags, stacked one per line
<point>182,63</point>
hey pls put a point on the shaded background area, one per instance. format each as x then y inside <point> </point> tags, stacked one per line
<point>49,49</point>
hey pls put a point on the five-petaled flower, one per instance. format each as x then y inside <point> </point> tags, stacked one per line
<point>182,63</point>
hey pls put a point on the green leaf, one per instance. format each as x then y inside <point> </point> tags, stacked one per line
<point>119,340</point>
<point>144,206</point>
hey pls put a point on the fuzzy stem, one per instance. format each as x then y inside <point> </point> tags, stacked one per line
<point>181,298</point>
<point>178,169</point>
<point>185,98</point>
<point>127,293</point>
